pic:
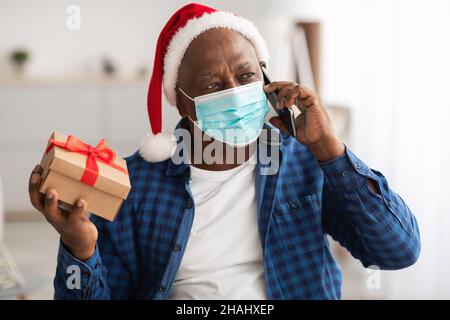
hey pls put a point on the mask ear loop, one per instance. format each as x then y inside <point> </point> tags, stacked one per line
<point>189,117</point>
<point>186,94</point>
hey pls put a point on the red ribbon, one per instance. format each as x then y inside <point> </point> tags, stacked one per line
<point>99,153</point>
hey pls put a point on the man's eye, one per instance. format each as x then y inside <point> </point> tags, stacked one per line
<point>248,75</point>
<point>212,85</point>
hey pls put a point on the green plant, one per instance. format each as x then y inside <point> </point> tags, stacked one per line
<point>19,57</point>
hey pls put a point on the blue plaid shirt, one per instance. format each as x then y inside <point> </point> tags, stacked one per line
<point>137,255</point>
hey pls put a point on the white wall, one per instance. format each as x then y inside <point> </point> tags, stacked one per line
<point>124,30</point>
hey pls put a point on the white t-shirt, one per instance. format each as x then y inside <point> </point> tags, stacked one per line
<point>223,257</point>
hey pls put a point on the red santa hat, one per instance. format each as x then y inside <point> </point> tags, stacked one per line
<point>183,27</point>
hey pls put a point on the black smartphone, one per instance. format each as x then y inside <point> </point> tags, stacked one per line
<point>286,114</point>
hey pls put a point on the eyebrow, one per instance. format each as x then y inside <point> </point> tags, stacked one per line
<point>208,75</point>
<point>243,65</point>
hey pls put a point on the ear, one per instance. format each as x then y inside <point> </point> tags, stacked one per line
<point>182,110</point>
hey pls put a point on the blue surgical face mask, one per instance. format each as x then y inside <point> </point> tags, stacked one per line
<point>234,116</point>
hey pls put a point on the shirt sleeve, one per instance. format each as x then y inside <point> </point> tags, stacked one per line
<point>377,228</point>
<point>103,276</point>
<point>79,280</point>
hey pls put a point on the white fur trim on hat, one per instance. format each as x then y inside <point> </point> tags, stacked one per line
<point>193,28</point>
<point>157,147</point>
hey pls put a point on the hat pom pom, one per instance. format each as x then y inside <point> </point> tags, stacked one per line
<point>157,147</point>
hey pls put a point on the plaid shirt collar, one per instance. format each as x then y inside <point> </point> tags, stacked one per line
<point>271,143</point>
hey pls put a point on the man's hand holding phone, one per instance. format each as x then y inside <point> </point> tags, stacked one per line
<point>313,127</point>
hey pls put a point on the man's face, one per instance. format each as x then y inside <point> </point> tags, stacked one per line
<point>216,60</point>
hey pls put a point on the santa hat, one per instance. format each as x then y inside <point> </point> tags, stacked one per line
<point>183,27</point>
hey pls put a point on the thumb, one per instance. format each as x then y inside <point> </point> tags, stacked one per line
<point>277,122</point>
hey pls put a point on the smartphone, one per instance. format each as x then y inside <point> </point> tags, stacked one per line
<point>286,114</point>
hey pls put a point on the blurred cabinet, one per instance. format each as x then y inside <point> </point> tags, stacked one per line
<point>30,111</point>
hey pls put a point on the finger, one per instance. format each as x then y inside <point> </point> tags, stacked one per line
<point>306,93</point>
<point>307,103</point>
<point>311,102</point>
<point>276,85</point>
<point>51,210</point>
<point>33,188</point>
<point>293,95</point>
<point>38,169</point>
<point>34,177</point>
<point>79,209</point>
<point>283,95</point>
<point>277,122</point>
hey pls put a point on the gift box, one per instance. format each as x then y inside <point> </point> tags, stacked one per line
<point>77,170</point>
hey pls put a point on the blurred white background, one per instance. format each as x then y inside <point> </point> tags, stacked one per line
<point>388,61</point>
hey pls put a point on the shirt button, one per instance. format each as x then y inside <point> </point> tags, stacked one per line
<point>189,181</point>
<point>293,205</point>
<point>344,173</point>
<point>177,247</point>
<point>357,165</point>
<point>162,289</point>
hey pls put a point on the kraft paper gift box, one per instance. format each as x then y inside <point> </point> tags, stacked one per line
<point>77,170</point>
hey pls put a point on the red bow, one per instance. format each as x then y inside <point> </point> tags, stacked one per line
<point>99,153</point>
